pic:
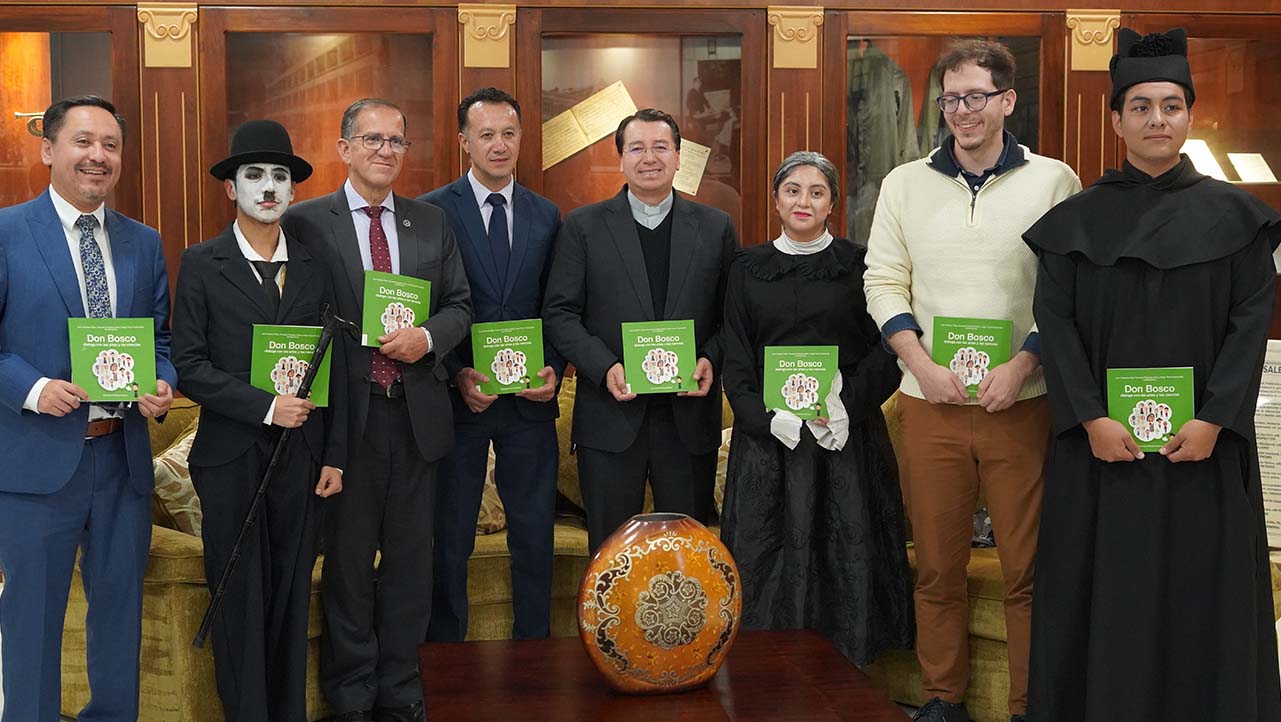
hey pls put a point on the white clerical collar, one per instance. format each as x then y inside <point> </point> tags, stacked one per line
<point>69,214</point>
<point>281,255</point>
<point>645,214</point>
<point>355,202</point>
<point>794,248</point>
<point>482,193</point>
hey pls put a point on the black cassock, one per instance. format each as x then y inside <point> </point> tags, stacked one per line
<point>1153,595</point>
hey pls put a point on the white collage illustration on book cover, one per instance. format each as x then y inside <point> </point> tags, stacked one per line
<point>1150,420</point>
<point>661,366</point>
<point>286,375</point>
<point>800,391</point>
<point>113,369</point>
<point>396,315</point>
<point>508,366</point>
<point>970,365</point>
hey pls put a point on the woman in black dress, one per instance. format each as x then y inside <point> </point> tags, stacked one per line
<point>813,513</point>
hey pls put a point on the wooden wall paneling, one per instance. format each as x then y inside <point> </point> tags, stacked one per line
<point>470,79</point>
<point>1091,146</point>
<point>795,99</point>
<point>835,30</point>
<point>1053,128</point>
<point>528,57</point>
<point>172,175</point>
<point>438,24</point>
<point>120,22</point>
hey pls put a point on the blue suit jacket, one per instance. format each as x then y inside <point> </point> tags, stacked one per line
<point>38,293</point>
<point>536,221</point>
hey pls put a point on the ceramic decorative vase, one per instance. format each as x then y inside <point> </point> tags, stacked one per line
<point>660,605</point>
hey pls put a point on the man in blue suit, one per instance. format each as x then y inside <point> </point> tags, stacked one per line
<point>77,476</point>
<point>505,232</point>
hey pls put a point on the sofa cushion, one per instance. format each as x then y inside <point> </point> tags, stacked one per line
<point>174,501</point>
<point>492,517</point>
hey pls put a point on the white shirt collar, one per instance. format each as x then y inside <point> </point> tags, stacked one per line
<point>355,202</point>
<point>642,209</point>
<point>69,214</point>
<point>482,193</point>
<point>795,248</point>
<point>281,255</point>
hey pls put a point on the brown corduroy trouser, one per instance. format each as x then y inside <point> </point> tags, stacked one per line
<point>947,453</point>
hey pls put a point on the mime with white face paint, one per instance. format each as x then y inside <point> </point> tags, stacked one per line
<point>252,273</point>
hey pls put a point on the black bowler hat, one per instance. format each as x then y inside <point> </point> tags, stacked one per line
<point>261,141</point>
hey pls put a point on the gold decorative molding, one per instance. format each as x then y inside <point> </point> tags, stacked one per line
<point>795,35</point>
<point>1092,33</point>
<point>486,34</point>
<point>167,33</point>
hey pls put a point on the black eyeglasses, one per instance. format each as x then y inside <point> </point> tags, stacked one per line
<point>973,101</point>
<point>375,143</point>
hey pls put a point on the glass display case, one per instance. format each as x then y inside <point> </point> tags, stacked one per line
<point>890,115</point>
<point>60,53</point>
<point>701,66</point>
<point>697,79</point>
<point>306,77</point>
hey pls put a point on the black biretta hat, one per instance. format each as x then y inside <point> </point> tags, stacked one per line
<point>261,141</point>
<point>1149,58</point>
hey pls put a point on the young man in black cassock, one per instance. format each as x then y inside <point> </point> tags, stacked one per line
<point>1153,598</point>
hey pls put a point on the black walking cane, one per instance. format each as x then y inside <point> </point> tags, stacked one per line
<point>332,324</point>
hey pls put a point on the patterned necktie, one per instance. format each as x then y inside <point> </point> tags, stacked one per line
<point>499,243</point>
<point>96,289</point>
<point>268,271</point>
<point>381,369</point>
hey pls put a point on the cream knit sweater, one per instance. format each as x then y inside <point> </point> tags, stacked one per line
<point>935,249</point>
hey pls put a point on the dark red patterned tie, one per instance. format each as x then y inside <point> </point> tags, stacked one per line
<point>381,369</point>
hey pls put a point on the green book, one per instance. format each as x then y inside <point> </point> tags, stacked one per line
<point>281,355</point>
<point>970,347</point>
<point>799,378</point>
<point>1152,403</point>
<point>510,353</point>
<point>113,359</point>
<point>392,302</point>
<point>659,356</point>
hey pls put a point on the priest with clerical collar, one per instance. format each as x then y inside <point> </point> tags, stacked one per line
<point>1153,598</point>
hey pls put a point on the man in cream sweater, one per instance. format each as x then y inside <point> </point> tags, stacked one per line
<point>946,242</point>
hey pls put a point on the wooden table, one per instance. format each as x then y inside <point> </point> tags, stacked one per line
<point>768,677</point>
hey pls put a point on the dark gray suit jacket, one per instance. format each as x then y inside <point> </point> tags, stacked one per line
<point>428,251</point>
<point>598,282</point>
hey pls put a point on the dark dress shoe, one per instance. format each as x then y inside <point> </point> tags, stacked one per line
<point>936,710</point>
<point>354,716</point>
<point>413,713</point>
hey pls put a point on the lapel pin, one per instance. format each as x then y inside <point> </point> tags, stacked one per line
<point>405,223</point>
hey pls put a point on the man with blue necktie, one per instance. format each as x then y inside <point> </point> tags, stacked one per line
<point>505,233</point>
<point>77,475</point>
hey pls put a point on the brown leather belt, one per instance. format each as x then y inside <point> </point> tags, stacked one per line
<point>102,427</point>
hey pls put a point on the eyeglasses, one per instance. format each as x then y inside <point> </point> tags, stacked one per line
<point>375,143</point>
<point>637,151</point>
<point>973,101</point>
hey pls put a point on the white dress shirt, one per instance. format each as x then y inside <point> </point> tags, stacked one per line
<point>67,216</point>
<point>487,210</point>
<point>361,220</point>
<point>280,256</point>
<point>388,221</point>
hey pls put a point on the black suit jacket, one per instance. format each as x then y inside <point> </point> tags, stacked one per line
<point>598,282</point>
<point>536,221</point>
<point>216,305</point>
<point>427,251</point>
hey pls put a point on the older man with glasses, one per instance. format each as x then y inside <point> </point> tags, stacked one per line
<point>946,242</point>
<point>400,424</point>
